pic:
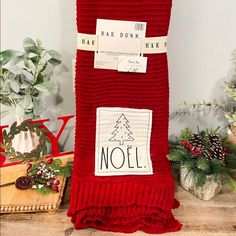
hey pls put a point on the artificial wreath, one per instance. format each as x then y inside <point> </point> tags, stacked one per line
<point>27,125</point>
<point>203,154</point>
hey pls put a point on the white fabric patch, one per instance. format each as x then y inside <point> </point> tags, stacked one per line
<point>123,141</point>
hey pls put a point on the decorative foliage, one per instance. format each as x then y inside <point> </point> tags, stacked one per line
<point>26,125</point>
<point>45,174</point>
<point>228,109</point>
<point>205,153</point>
<point>25,76</point>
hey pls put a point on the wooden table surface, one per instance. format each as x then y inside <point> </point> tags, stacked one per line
<point>214,217</point>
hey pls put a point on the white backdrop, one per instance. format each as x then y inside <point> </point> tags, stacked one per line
<point>201,38</point>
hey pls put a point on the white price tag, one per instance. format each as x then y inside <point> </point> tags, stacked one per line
<point>132,64</point>
<point>117,38</point>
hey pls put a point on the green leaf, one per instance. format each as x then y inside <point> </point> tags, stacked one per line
<point>28,104</point>
<point>39,79</point>
<point>29,76</point>
<point>47,86</point>
<point>29,64</point>
<point>30,46</point>
<point>230,181</point>
<point>16,60</point>
<point>202,164</point>
<point>24,86</point>
<point>54,61</point>
<point>45,191</point>
<point>54,54</point>
<point>13,127</point>
<point>43,67</point>
<point>39,43</point>
<point>8,55</point>
<point>15,70</point>
<point>15,86</point>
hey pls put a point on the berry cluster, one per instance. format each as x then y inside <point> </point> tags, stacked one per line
<point>44,175</point>
<point>205,144</point>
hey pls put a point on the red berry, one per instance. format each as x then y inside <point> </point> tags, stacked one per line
<point>48,184</point>
<point>29,165</point>
<point>56,182</point>
<point>41,164</point>
<point>39,173</point>
<point>49,161</point>
<point>56,189</point>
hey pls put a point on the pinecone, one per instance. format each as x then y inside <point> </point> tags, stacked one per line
<point>217,153</point>
<point>24,182</point>
<point>214,140</point>
<point>216,149</point>
<point>207,154</point>
<point>197,140</point>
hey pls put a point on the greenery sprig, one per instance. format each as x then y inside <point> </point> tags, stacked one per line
<point>14,155</point>
<point>203,154</point>
<point>25,77</point>
<point>45,173</point>
<point>228,108</point>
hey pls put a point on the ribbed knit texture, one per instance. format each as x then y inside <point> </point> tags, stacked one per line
<point>122,203</point>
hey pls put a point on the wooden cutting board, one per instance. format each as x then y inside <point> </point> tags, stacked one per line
<point>15,200</point>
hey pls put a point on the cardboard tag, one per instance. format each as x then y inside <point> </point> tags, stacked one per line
<point>117,38</point>
<point>132,64</point>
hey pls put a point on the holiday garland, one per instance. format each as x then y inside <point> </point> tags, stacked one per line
<point>26,125</point>
<point>205,153</point>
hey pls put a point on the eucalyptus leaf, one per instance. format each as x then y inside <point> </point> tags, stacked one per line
<point>15,70</point>
<point>29,64</point>
<point>8,55</point>
<point>42,67</point>
<point>54,61</point>
<point>24,86</point>
<point>28,75</point>
<point>15,96</point>
<point>28,104</point>
<point>15,86</point>
<point>39,79</point>
<point>30,46</point>
<point>20,111</point>
<point>16,60</point>
<point>39,43</point>
<point>54,54</point>
<point>47,86</point>
<point>31,55</point>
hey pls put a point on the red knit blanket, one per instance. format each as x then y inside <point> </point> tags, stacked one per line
<point>106,101</point>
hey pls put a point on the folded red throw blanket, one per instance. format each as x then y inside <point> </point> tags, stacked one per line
<point>121,178</point>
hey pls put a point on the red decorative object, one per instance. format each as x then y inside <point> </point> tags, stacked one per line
<point>54,138</point>
<point>123,203</point>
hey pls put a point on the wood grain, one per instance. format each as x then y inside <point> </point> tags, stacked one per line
<point>216,217</point>
<point>14,200</point>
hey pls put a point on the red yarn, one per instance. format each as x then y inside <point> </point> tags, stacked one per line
<point>130,202</point>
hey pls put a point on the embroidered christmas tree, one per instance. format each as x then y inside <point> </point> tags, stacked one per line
<point>121,132</point>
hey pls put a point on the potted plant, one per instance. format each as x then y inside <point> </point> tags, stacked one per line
<point>206,161</point>
<point>25,78</point>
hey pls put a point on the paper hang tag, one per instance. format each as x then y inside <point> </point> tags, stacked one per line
<point>132,64</point>
<point>117,38</point>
